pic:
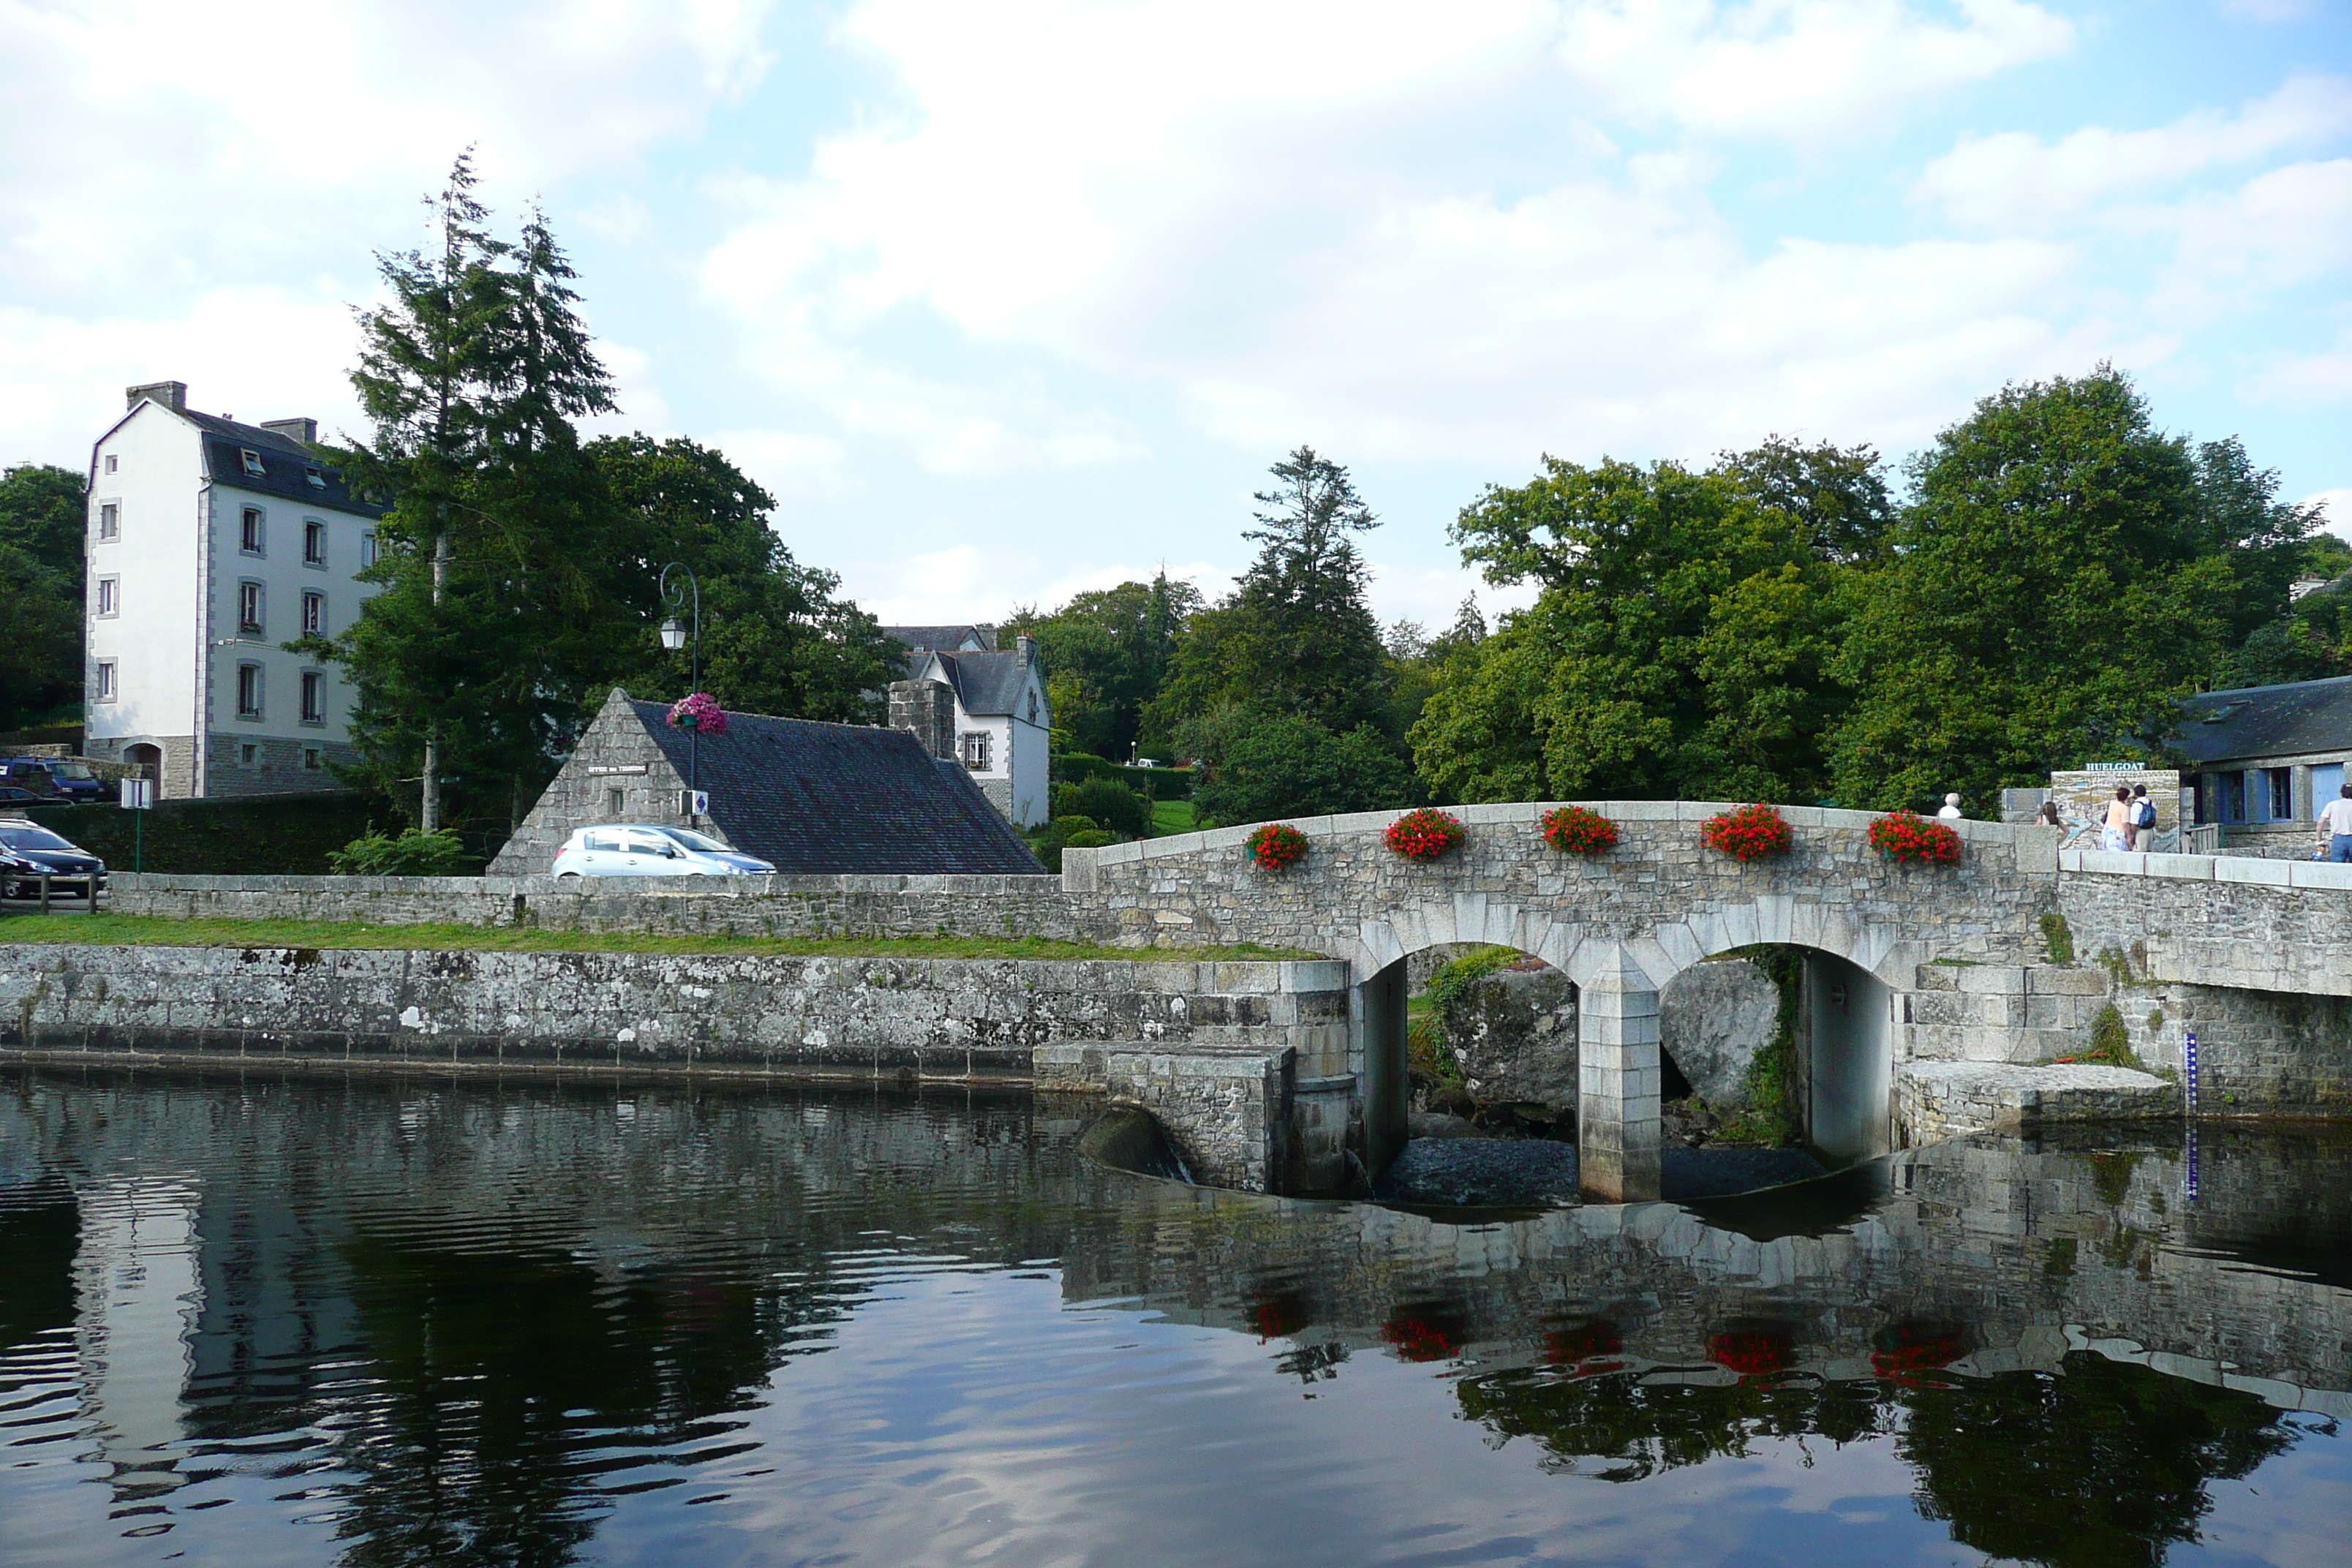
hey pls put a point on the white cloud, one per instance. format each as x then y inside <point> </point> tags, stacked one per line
<point>2338,503</point>
<point>1791,66</point>
<point>2323,376</point>
<point>2013,182</point>
<point>1277,236</point>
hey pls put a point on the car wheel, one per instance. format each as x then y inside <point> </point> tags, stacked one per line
<point>567,876</point>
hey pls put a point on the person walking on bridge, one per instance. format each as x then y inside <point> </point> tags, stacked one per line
<point>2335,828</point>
<point>2117,833</point>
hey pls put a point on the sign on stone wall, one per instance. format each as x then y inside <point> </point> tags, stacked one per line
<point>2084,797</point>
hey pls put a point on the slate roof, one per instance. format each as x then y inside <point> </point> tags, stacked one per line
<point>986,683</point>
<point>831,799</point>
<point>2269,721</point>
<point>923,640</point>
<point>285,464</point>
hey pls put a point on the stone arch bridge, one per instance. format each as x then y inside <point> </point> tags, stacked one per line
<point>1620,925</point>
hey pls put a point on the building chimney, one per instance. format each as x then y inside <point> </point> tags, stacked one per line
<point>1027,646</point>
<point>172,395</point>
<point>302,432</point>
<point>927,708</point>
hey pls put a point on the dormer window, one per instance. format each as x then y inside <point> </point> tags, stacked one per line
<point>252,461</point>
<point>318,479</point>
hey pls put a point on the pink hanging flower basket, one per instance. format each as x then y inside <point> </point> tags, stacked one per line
<point>699,711</point>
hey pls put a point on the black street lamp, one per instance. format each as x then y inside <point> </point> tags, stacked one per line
<point>673,637</point>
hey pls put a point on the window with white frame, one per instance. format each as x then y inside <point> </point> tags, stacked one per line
<point>252,461</point>
<point>250,537</point>
<point>975,751</point>
<point>110,596</point>
<point>112,462</point>
<point>367,550</point>
<point>314,542</point>
<point>248,691</point>
<point>314,697</point>
<point>103,686</point>
<point>109,520</point>
<point>248,607</point>
<point>314,615</point>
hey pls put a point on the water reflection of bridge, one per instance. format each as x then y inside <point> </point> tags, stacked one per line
<point>431,1294</point>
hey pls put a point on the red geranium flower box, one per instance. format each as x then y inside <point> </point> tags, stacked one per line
<point>1751,833</point>
<point>1574,830</point>
<point>1275,846</point>
<point>1906,837</point>
<point>1426,834</point>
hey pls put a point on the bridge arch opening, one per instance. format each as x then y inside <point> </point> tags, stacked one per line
<point>1633,1045</point>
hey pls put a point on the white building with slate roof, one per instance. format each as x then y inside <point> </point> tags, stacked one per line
<point>987,710</point>
<point>211,544</point>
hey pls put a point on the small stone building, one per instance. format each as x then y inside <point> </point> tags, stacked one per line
<point>811,798</point>
<point>2263,759</point>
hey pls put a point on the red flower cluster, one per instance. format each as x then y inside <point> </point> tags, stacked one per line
<point>1277,844</point>
<point>1573,830</point>
<point>1905,836</point>
<point>1751,833</point>
<point>699,711</point>
<point>1426,834</point>
<point>1752,1352</point>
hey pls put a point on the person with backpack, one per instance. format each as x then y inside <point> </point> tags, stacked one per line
<point>2143,819</point>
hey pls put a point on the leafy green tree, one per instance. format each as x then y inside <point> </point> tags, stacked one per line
<point>43,514</point>
<point>1682,641</point>
<point>776,637</point>
<point>1106,653</point>
<point>1297,635</point>
<point>2064,573</point>
<point>1255,767</point>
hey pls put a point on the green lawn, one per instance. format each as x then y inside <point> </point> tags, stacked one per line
<point>1170,816</point>
<point>160,930</point>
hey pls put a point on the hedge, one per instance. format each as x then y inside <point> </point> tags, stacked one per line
<point>260,835</point>
<point>1160,783</point>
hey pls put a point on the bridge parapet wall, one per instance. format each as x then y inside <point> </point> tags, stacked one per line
<point>1660,894</point>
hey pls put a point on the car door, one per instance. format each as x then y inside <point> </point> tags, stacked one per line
<point>648,855</point>
<point>600,855</point>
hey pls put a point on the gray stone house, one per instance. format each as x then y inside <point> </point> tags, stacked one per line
<point>2264,758</point>
<point>809,798</point>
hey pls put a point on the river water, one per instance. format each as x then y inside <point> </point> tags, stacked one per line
<point>253,1321</point>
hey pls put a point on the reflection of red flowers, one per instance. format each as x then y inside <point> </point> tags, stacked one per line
<point>1574,830</point>
<point>1569,1347</point>
<point>1907,1352</point>
<point>1752,1351</point>
<point>1751,833</point>
<point>1418,1339</point>
<point>1277,844</point>
<point>1278,1317</point>
<point>1426,834</point>
<point>1907,837</point>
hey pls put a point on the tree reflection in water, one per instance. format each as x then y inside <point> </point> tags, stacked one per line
<point>478,1326</point>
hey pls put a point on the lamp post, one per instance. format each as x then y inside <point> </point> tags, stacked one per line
<point>673,637</point>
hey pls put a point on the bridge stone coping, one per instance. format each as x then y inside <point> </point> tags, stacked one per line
<point>2245,869</point>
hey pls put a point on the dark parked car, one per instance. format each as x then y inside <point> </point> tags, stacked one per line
<point>31,850</point>
<point>65,778</point>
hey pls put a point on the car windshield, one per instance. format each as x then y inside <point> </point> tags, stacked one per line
<point>694,840</point>
<point>27,837</point>
<point>75,771</point>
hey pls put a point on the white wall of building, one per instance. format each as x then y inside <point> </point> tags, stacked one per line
<point>151,638</point>
<point>1033,800</point>
<point>284,578</point>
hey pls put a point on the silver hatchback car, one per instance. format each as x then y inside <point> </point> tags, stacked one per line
<point>646,849</point>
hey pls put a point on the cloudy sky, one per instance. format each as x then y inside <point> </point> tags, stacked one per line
<point>1008,299</point>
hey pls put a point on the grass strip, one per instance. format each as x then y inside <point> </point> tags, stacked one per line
<point>165,930</point>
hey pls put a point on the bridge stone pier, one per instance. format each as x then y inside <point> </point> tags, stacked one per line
<point>1621,926</point>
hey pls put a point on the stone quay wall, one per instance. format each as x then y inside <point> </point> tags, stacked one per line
<point>854,907</point>
<point>1216,1040</point>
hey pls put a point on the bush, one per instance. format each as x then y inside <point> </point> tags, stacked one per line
<point>413,854</point>
<point>1254,768</point>
<point>1092,838</point>
<point>1065,825</point>
<point>1106,803</point>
